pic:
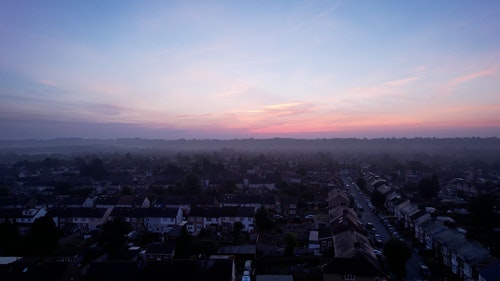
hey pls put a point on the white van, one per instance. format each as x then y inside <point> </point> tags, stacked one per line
<point>248,265</point>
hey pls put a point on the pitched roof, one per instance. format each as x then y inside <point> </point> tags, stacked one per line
<point>155,212</point>
<point>217,212</point>
<point>248,199</point>
<point>174,200</point>
<point>113,271</point>
<point>192,270</point>
<point>126,200</point>
<point>160,248</point>
<point>80,212</point>
<point>161,212</point>
<point>343,211</point>
<point>107,200</point>
<point>67,200</point>
<point>491,272</point>
<point>471,251</point>
<point>358,264</point>
<point>39,271</point>
<point>15,201</point>
<point>353,255</point>
<point>348,243</point>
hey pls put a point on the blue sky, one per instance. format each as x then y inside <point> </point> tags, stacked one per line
<point>237,69</point>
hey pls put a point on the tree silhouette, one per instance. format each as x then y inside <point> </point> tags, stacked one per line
<point>361,183</point>
<point>62,188</point>
<point>291,243</point>
<point>263,221</point>
<point>237,227</point>
<point>192,184</point>
<point>482,211</point>
<point>4,191</point>
<point>114,234</point>
<point>43,236</point>
<point>397,254</point>
<point>9,237</point>
<point>428,187</point>
<point>377,199</point>
<point>94,169</point>
<point>184,246</point>
<point>127,190</point>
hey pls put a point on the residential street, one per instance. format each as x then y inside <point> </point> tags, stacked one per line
<point>412,266</point>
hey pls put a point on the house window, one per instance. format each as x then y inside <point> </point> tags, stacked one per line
<point>349,277</point>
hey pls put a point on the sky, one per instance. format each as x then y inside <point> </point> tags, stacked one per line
<point>249,69</point>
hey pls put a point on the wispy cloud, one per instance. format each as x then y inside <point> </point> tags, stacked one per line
<point>327,11</point>
<point>48,82</point>
<point>234,90</point>
<point>113,89</point>
<point>290,108</point>
<point>283,105</point>
<point>474,75</point>
<point>389,88</point>
<point>401,82</point>
<point>448,87</point>
<point>195,116</point>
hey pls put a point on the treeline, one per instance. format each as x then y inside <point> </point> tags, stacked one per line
<point>471,145</point>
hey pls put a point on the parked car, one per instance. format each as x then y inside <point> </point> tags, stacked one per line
<point>425,271</point>
<point>248,266</point>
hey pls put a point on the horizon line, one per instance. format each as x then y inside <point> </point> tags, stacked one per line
<point>250,138</point>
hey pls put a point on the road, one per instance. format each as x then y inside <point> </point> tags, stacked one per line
<point>413,264</point>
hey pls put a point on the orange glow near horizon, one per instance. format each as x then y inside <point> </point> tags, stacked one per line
<point>279,68</point>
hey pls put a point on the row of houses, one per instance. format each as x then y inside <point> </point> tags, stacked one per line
<point>152,219</point>
<point>216,268</point>
<point>451,247</point>
<point>353,256</point>
<point>280,205</point>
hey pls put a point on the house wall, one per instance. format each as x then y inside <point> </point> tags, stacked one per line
<point>159,225</point>
<point>197,224</point>
<point>339,277</point>
<point>246,221</point>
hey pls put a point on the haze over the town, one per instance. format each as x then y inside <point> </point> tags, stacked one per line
<point>249,69</point>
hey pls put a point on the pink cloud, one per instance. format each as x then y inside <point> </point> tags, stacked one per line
<point>471,76</point>
<point>194,115</point>
<point>48,82</point>
<point>389,88</point>
<point>108,88</point>
<point>448,87</point>
<point>401,82</point>
<point>330,122</point>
